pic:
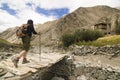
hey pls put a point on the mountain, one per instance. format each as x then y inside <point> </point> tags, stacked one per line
<point>83,17</point>
<point>118,8</point>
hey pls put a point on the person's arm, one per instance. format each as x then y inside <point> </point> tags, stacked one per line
<point>33,30</point>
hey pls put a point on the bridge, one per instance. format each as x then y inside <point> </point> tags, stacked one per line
<point>37,63</point>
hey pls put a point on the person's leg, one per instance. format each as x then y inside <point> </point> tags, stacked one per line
<point>26,46</point>
<point>25,58</point>
<point>16,59</point>
<point>23,53</point>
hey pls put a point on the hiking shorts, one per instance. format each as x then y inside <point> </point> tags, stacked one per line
<point>26,42</point>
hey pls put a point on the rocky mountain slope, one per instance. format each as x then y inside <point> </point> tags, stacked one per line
<point>118,8</point>
<point>83,17</point>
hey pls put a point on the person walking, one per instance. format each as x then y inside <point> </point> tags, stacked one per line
<point>26,43</point>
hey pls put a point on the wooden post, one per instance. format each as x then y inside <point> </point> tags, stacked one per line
<point>40,47</point>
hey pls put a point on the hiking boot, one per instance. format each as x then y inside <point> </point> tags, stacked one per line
<point>25,61</point>
<point>15,62</point>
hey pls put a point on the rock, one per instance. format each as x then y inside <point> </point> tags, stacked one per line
<point>79,70</point>
<point>8,74</point>
<point>72,78</point>
<point>82,77</point>
<point>109,50</point>
<point>2,72</point>
<point>57,78</point>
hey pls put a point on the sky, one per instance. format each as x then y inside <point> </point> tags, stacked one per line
<point>17,12</point>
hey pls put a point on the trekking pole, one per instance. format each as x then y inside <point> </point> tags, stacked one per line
<point>40,47</point>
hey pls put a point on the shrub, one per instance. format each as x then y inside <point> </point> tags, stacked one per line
<point>67,39</point>
<point>79,36</point>
<point>117,29</point>
<point>96,34</point>
<point>87,35</point>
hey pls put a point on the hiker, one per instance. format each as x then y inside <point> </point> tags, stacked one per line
<point>26,44</point>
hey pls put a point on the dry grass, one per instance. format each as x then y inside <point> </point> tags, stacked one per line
<point>2,41</point>
<point>108,40</point>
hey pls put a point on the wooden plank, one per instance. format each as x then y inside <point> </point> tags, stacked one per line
<point>22,69</point>
<point>35,63</point>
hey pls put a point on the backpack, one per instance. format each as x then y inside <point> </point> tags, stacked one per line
<point>21,31</point>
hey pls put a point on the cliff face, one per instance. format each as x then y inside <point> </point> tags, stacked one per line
<point>83,17</point>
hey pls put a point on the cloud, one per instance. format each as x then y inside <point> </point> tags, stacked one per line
<point>7,20</point>
<point>89,3</point>
<point>26,14</point>
<point>55,12</point>
<point>21,17</point>
<point>54,4</point>
<point>47,4</point>
<point>23,13</point>
<point>73,4</point>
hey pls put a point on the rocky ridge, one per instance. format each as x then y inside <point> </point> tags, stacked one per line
<point>109,50</point>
